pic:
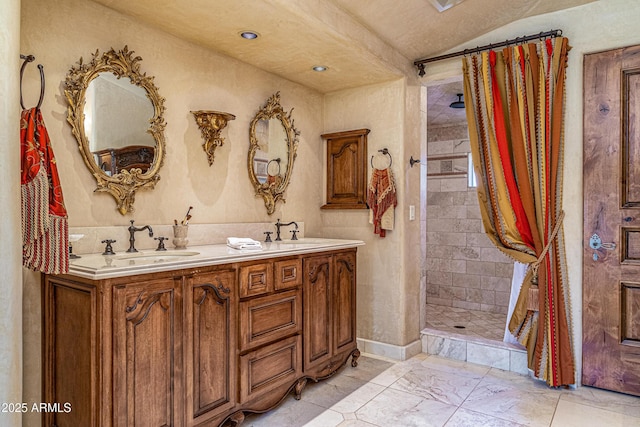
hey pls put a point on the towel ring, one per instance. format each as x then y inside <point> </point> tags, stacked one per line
<point>278,163</point>
<point>384,152</point>
<point>27,59</point>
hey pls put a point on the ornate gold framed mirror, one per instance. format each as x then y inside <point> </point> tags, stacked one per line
<point>273,143</point>
<point>116,115</point>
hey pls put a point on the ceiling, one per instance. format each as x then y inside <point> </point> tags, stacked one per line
<point>361,42</point>
<point>439,97</point>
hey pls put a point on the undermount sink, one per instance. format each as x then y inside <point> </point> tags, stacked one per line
<point>156,255</point>
<point>303,241</point>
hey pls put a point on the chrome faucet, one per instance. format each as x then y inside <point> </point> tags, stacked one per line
<point>279,224</point>
<point>132,239</point>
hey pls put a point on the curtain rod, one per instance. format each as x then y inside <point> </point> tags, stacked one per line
<point>542,35</point>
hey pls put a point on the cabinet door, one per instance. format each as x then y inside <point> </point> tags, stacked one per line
<point>147,362</point>
<point>317,310</point>
<point>344,302</point>
<point>346,169</point>
<point>210,343</point>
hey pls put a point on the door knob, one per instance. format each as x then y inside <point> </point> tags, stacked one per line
<point>595,243</point>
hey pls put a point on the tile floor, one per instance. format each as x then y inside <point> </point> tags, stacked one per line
<point>429,390</point>
<point>472,323</point>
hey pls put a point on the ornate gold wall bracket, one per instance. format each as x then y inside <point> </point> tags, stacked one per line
<point>211,124</point>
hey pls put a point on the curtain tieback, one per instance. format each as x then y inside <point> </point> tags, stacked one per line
<point>532,298</point>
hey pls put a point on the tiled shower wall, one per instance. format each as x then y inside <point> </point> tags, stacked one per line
<point>464,269</point>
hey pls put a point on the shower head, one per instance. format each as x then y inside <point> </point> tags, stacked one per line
<point>459,103</point>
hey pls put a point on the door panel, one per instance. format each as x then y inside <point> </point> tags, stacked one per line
<point>344,308</point>
<point>210,332</point>
<point>317,310</point>
<point>145,323</point>
<point>611,283</point>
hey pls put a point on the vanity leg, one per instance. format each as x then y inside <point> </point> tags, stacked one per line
<point>354,357</point>
<point>237,418</point>
<point>302,382</point>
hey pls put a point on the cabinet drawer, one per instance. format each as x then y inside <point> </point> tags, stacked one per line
<point>266,319</point>
<point>288,273</point>
<point>256,279</point>
<point>269,367</point>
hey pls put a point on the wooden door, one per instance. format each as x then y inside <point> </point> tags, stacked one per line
<point>317,310</point>
<point>146,354</point>
<point>611,279</point>
<point>210,304</point>
<point>346,169</point>
<point>344,302</point>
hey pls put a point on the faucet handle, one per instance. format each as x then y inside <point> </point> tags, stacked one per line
<point>268,233</point>
<point>108,250</point>
<point>294,232</point>
<point>161,243</point>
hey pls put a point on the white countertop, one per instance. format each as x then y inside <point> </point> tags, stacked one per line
<point>98,266</point>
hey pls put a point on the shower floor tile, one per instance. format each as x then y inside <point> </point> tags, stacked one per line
<point>472,323</point>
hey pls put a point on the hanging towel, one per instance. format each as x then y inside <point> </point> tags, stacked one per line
<point>382,200</point>
<point>45,231</point>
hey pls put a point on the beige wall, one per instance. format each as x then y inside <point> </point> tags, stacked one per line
<point>595,27</point>
<point>10,236</point>
<point>389,267</point>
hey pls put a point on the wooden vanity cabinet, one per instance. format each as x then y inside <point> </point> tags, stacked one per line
<point>151,350</point>
<point>195,347</point>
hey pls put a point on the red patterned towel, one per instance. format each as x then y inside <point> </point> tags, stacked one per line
<point>45,232</point>
<point>381,197</point>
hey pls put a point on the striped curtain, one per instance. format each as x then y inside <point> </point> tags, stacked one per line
<point>515,110</point>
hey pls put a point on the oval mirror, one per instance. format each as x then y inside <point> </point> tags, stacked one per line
<point>273,143</point>
<point>115,113</point>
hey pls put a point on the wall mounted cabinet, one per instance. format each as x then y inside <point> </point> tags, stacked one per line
<point>346,169</point>
<point>196,347</point>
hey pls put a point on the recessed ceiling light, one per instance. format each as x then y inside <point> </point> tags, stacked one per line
<point>443,5</point>
<point>249,35</point>
<point>319,68</point>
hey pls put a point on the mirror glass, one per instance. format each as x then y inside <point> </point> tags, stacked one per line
<point>117,116</point>
<point>273,145</point>
<point>115,112</point>
<point>271,157</point>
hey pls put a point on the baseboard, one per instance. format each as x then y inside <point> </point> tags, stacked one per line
<point>391,351</point>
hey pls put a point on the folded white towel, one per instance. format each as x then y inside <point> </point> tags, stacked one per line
<point>243,243</point>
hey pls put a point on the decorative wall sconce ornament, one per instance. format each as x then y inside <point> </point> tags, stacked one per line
<point>211,124</point>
